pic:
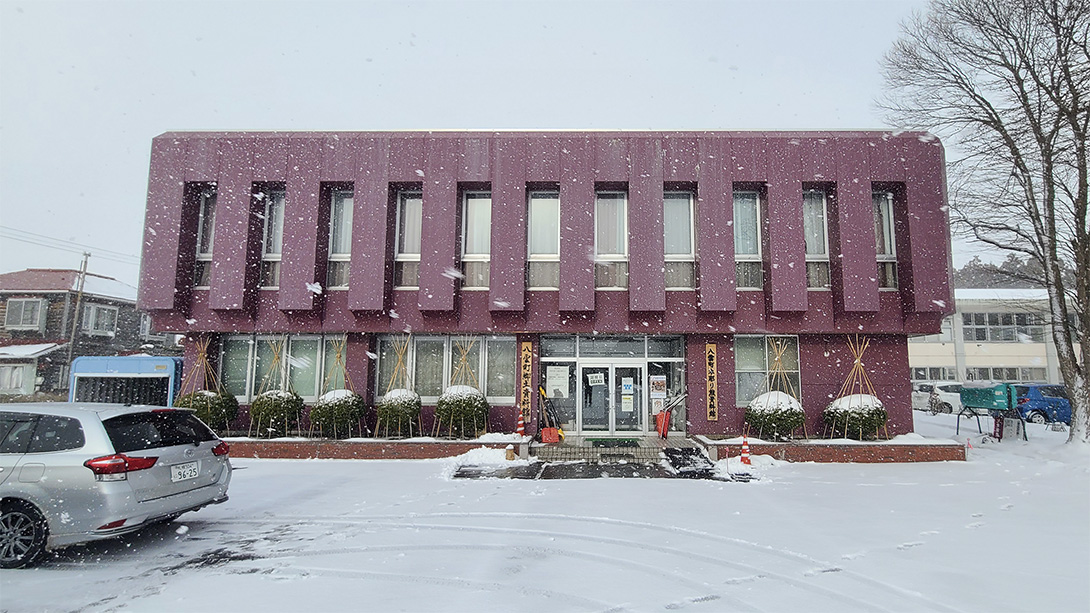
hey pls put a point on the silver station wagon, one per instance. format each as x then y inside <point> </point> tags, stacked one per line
<point>76,472</point>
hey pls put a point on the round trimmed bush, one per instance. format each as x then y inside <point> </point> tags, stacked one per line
<point>338,414</point>
<point>276,413</point>
<point>775,414</point>
<point>217,410</point>
<point>857,416</point>
<point>461,412</point>
<point>398,411</point>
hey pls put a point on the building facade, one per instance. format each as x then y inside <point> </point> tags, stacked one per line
<point>619,270</point>
<point>44,311</point>
<point>994,335</point>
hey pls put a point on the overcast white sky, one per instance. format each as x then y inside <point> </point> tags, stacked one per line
<point>84,86</point>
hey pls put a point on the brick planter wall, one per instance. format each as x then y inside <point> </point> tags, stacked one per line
<point>862,453</point>
<point>341,450</point>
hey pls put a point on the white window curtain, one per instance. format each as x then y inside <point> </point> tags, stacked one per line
<point>428,371</point>
<point>274,222</point>
<point>478,224</point>
<point>813,223</point>
<point>340,223</point>
<point>610,221</point>
<point>545,224</point>
<point>678,224</point>
<point>747,236</point>
<point>207,222</point>
<point>883,222</point>
<point>411,219</point>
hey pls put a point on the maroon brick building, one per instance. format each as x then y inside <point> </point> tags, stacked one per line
<point>614,268</point>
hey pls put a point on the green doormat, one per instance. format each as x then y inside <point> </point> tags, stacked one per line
<point>614,442</point>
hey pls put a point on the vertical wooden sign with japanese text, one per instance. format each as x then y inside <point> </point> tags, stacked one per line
<point>526,379</point>
<point>713,381</point>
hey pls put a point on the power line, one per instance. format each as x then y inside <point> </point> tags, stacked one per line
<point>61,240</point>
<point>67,246</point>
<point>132,262</point>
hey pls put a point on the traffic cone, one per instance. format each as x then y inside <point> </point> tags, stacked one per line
<point>521,428</point>
<point>745,451</point>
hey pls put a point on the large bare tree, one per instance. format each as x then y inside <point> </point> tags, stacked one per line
<point>1007,84</point>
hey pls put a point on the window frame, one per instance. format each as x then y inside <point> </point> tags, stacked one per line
<point>341,258</point>
<point>885,238</point>
<point>206,220</point>
<point>400,258</point>
<point>689,258</point>
<point>765,347</point>
<point>270,261</point>
<point>39,321</point>
<point>448,353</point>
<point>611,259</point>
<point>539,258</point>
<point>748,258</point>
<point>475,258</point>
<point>92,313</point>
<point>817,258</point>
<point>253,340</point>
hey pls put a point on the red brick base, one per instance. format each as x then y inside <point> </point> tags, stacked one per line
<point>340,450</point>
<point>862,453</point>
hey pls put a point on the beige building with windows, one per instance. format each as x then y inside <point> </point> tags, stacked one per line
<point>994,334</point>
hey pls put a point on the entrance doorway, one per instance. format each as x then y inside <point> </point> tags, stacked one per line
<point>612,397</point>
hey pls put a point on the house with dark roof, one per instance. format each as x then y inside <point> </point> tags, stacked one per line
<point>48,314</point>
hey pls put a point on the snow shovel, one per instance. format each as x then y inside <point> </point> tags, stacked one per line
<point>551,432</point>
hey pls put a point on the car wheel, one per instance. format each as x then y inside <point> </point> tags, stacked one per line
<point>22,534</point>
<point>946,408</point>
<point>1038,417</point>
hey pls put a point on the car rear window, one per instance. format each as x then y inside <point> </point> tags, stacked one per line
<point>1020,391</point>
<point>152,430</point>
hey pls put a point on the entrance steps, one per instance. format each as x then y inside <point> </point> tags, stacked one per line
<point>602,450</point>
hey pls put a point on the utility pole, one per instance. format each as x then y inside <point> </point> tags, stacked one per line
<point>76,314</point>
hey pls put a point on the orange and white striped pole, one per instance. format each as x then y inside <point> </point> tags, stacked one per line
<point>745,451</point>
<point>521,428</point>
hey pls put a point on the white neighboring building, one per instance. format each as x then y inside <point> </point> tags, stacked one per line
<point>994,334</point>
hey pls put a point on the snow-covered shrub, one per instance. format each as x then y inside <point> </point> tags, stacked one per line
<point>398,411</point>
<point>461,412</point>
<point>275,413</point>
<point>338,414</point>
<point>856,416</point>
<point>214,409</point>
<point>774,414</point>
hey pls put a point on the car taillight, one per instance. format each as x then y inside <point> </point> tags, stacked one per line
<point>1022,401</point>
<point>114,467</point>
<point>221,449</point>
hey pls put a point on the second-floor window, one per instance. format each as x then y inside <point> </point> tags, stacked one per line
<point>273,245</point>
<point>611,240</point>
<point>885,241</point>
<point>340,238</point>
<point>410,210</point>
<point>815,234</point>
<point>206,225</point>
<point>99,320</point>
<point>25,314</point>
<point>476,239</point>
<point>1003,327</point>
<point>543,241</point>
<point>749,271</point>
<point>680,240</point>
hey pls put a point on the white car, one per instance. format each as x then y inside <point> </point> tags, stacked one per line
<point>937,396</point>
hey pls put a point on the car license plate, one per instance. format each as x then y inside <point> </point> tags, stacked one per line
<point>181,472</point>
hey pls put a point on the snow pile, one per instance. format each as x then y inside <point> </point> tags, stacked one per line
<point>334,395</point>
<point>775,414</point>
<point>482,456</point>
<point>856,403</point>
<point>275,394</point>
<point>401,395</point>
<point>774,402</point>
<point>460,392</point>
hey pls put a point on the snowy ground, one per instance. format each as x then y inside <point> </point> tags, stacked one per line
<point>1006,531</point>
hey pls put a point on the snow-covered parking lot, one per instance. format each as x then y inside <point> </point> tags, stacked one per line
<point>1006,531</point>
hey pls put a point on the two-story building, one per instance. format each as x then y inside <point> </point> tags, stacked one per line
<point>49,313</point>
<point>616,269</point>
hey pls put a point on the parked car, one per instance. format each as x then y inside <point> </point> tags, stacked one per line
<point>937,396</point>
<point>76,472</point>
<point>1042,404</point>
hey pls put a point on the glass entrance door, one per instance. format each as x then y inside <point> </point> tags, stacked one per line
<point>612,398</point>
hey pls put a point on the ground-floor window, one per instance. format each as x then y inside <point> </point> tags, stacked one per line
<point>754,358</point>
<point>934,373</point>
<point>429,364</point>
<point>309,365</point>
<point>1004,373</point>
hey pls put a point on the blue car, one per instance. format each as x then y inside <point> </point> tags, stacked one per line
<point>1042,404</point>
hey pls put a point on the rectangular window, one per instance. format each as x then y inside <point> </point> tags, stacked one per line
<point>11,378</point>
<point>273,245</point>
<point>1003,327</point>
<point>754,358</point>
<point>99,320</point>
<point>885,243</point>
<point>543,240</point>
<point>206,223</point>
<point>25,314</point>
<point>680,240</point>
<point>309,365</point>
<point>410,211</point>
<point>749,271</point>
<point>815,232</point>
<point>340,238</point>
<point>429,365</point>
<point>611,240</point>
<point>476,239</point>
